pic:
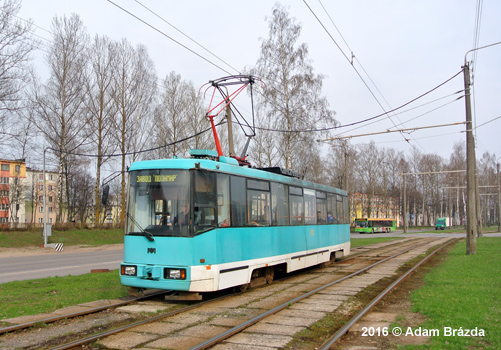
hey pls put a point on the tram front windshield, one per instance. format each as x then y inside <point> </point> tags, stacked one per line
<point>159,203</point>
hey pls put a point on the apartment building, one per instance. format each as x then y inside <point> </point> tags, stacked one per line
<point>21,194</point>
<point>34,196</point>
<point>12,173</point>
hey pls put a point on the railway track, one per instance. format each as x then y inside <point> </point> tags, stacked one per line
<point>270,315</point>
<point>152,294</point>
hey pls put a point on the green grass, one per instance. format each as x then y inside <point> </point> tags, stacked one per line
<point>32,297</point>
<point>464,292</point>
<point>33,237</point>
<point>357,242</point>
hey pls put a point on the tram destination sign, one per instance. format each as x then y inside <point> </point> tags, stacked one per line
<point>156,178</point>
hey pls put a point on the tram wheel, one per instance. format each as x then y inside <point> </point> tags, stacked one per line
<point>242,287</point>
<point>269,274</point>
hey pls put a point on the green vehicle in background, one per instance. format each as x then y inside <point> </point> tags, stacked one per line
<point>441,223</point>
<point>375,225</point>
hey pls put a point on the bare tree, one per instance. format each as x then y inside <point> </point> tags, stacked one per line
<point>265,149</point>
<point>457,161</point>
<point>394,166</point>
<point>432,186</point>
<point>146,80</point>
<point>171,116</point>
<point>487,182</point>
<point>197,123</point>
<point>79,195</point>
<point>100,107</point>
<point>60,102</point>
<point>16,46</point>
<point>292,98</point>
<point>134,86</point>
<point>368,170</point>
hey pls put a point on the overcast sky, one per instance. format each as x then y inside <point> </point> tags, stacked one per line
<point>406,47</point>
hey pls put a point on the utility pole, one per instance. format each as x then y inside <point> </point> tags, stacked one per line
<point>471,163</point>
<point>478,207</point>
<point>471,210</point>
<point>499,203</point>
<point>346,177</point>
<point>405,208</point>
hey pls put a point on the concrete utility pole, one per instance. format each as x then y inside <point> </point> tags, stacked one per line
<point>471,210</point>
<point>499,202</point>
<point>405,208</point>
<point>471,163</point>
<point>347,184</point>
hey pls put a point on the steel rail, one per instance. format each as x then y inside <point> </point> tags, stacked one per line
<point>237,329</point>
<point>76,314</point>
<point>361,253</point>
<point>343,330</point>
<point>135,324</point>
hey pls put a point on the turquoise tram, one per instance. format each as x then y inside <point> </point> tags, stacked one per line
<point>205,223</point>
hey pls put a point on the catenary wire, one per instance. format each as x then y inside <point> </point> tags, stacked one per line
<point>351,63</point>
<point>136,152</point>
<point>368,119</point>
<point>194,41</point>
<point>416,117</point>
<point>167,36</point>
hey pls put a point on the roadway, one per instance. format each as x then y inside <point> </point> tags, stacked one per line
<point>48,263</point>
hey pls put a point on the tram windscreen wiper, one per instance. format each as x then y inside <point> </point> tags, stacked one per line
<point>146,234</point>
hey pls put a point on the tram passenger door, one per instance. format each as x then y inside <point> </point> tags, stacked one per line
<point>311,230</point>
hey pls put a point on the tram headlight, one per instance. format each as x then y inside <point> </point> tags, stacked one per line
<point>128,270</point>
<point>175,274</point>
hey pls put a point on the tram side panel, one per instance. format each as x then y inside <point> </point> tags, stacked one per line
<point>245,249</point>
<point>242,250</point>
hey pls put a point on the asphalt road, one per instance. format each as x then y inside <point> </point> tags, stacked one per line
<point>26,267</point>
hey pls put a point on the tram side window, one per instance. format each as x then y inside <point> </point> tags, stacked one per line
<point>340,209</point>
<point>296,205</point>
<point>223,200</point>
<point>238,201</point>
<point>258,202</point>
<point>332,217</point>
<point>321,208</point>
<point>310,211</point>
<point>279,204</point>
<point>204,202</point>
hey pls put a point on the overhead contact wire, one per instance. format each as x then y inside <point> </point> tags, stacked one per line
<point>167,36</point>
